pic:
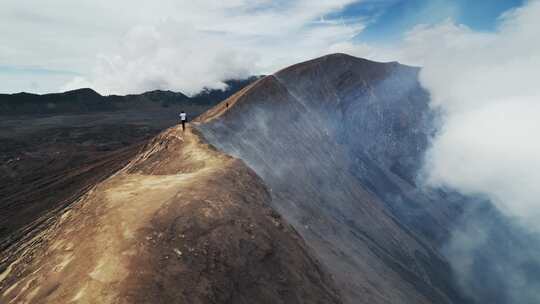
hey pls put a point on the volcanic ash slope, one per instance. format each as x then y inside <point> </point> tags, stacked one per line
<point>339,140</point>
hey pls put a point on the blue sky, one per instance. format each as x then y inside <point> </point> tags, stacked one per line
<point>387,20</point>
<point>187,45</point>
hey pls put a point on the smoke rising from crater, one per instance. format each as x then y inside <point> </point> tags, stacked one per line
<point>487,88</point>
<point>485,85</point>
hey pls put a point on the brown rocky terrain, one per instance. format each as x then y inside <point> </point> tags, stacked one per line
<point>47,162</point>
<point>53,147</point>
<point>181,223</point>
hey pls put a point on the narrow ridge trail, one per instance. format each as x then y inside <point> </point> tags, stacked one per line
<point>181,223</point>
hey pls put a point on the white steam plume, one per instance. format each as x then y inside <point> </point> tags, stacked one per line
<point>487,86</point>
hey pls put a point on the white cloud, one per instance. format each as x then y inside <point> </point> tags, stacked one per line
<point>132,46</point>
<point>486,84</point>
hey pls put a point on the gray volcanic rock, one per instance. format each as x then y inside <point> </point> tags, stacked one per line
<point>339,141</point>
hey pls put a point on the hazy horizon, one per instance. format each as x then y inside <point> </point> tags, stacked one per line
<point>184,46</point>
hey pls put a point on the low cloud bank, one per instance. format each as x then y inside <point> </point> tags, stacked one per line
<point>486,86</point>
<point>193,45</point>
<point>161,57</point>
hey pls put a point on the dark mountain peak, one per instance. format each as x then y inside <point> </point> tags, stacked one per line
<point>335,65</point>
<point>164,93</point>
<point>342,57</point>
<point>340,73</point>
<point>80,92</point>
<point>336,57</point>
<point>339,139</point>
<point>336,80</point>
<point>86,100</point>
<point>21,94</point>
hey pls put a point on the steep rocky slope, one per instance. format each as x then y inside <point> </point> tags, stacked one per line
<point>339,141</point>
<point>181,223</point>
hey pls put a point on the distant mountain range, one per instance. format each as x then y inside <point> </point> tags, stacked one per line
<point>87,100</point>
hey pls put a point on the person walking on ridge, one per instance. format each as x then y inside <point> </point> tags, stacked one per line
<point>183,119</point>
